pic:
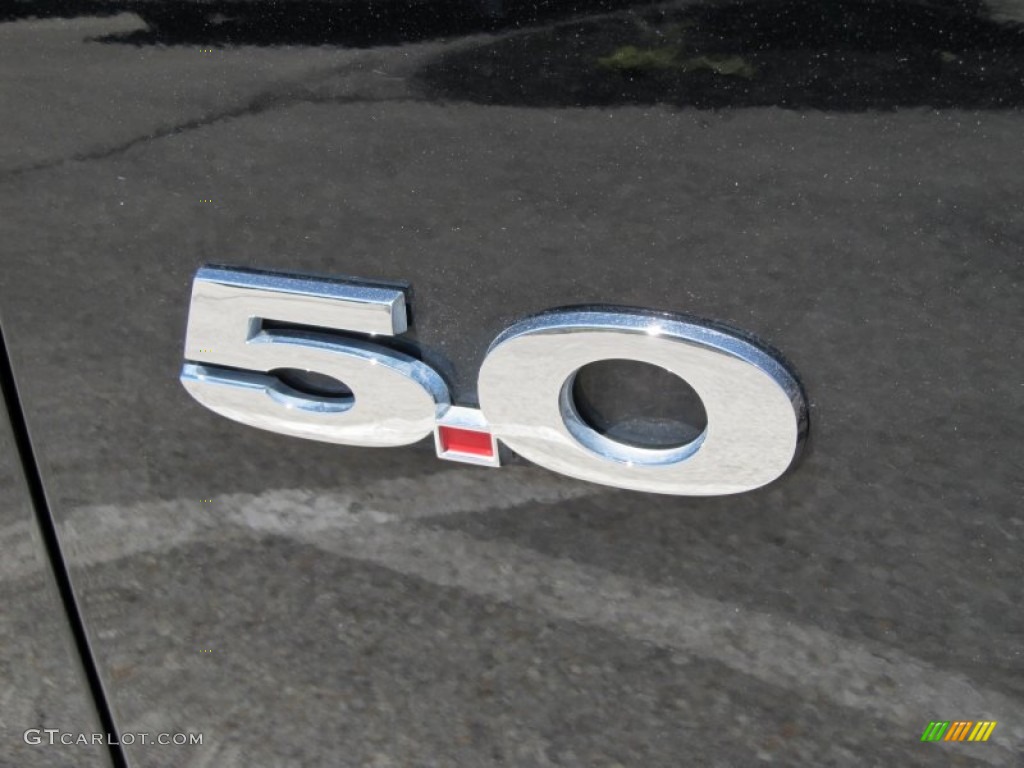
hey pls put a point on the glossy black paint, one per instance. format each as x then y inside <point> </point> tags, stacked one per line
<point>842,180</point>
<point>51,686</point>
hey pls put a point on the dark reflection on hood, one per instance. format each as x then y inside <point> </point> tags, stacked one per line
<point>846,55</point>
<point>840,55</point>
<point>349,23</point>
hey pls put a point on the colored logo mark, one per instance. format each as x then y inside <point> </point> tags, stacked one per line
<point>958,730</point>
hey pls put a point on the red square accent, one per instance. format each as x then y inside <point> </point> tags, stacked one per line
<point>466,441</point>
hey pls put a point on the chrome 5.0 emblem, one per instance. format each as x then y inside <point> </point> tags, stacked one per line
<point>245,325</point>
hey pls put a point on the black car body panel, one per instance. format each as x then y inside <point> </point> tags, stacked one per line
<point>844,182</point>
<point>45,699</point>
